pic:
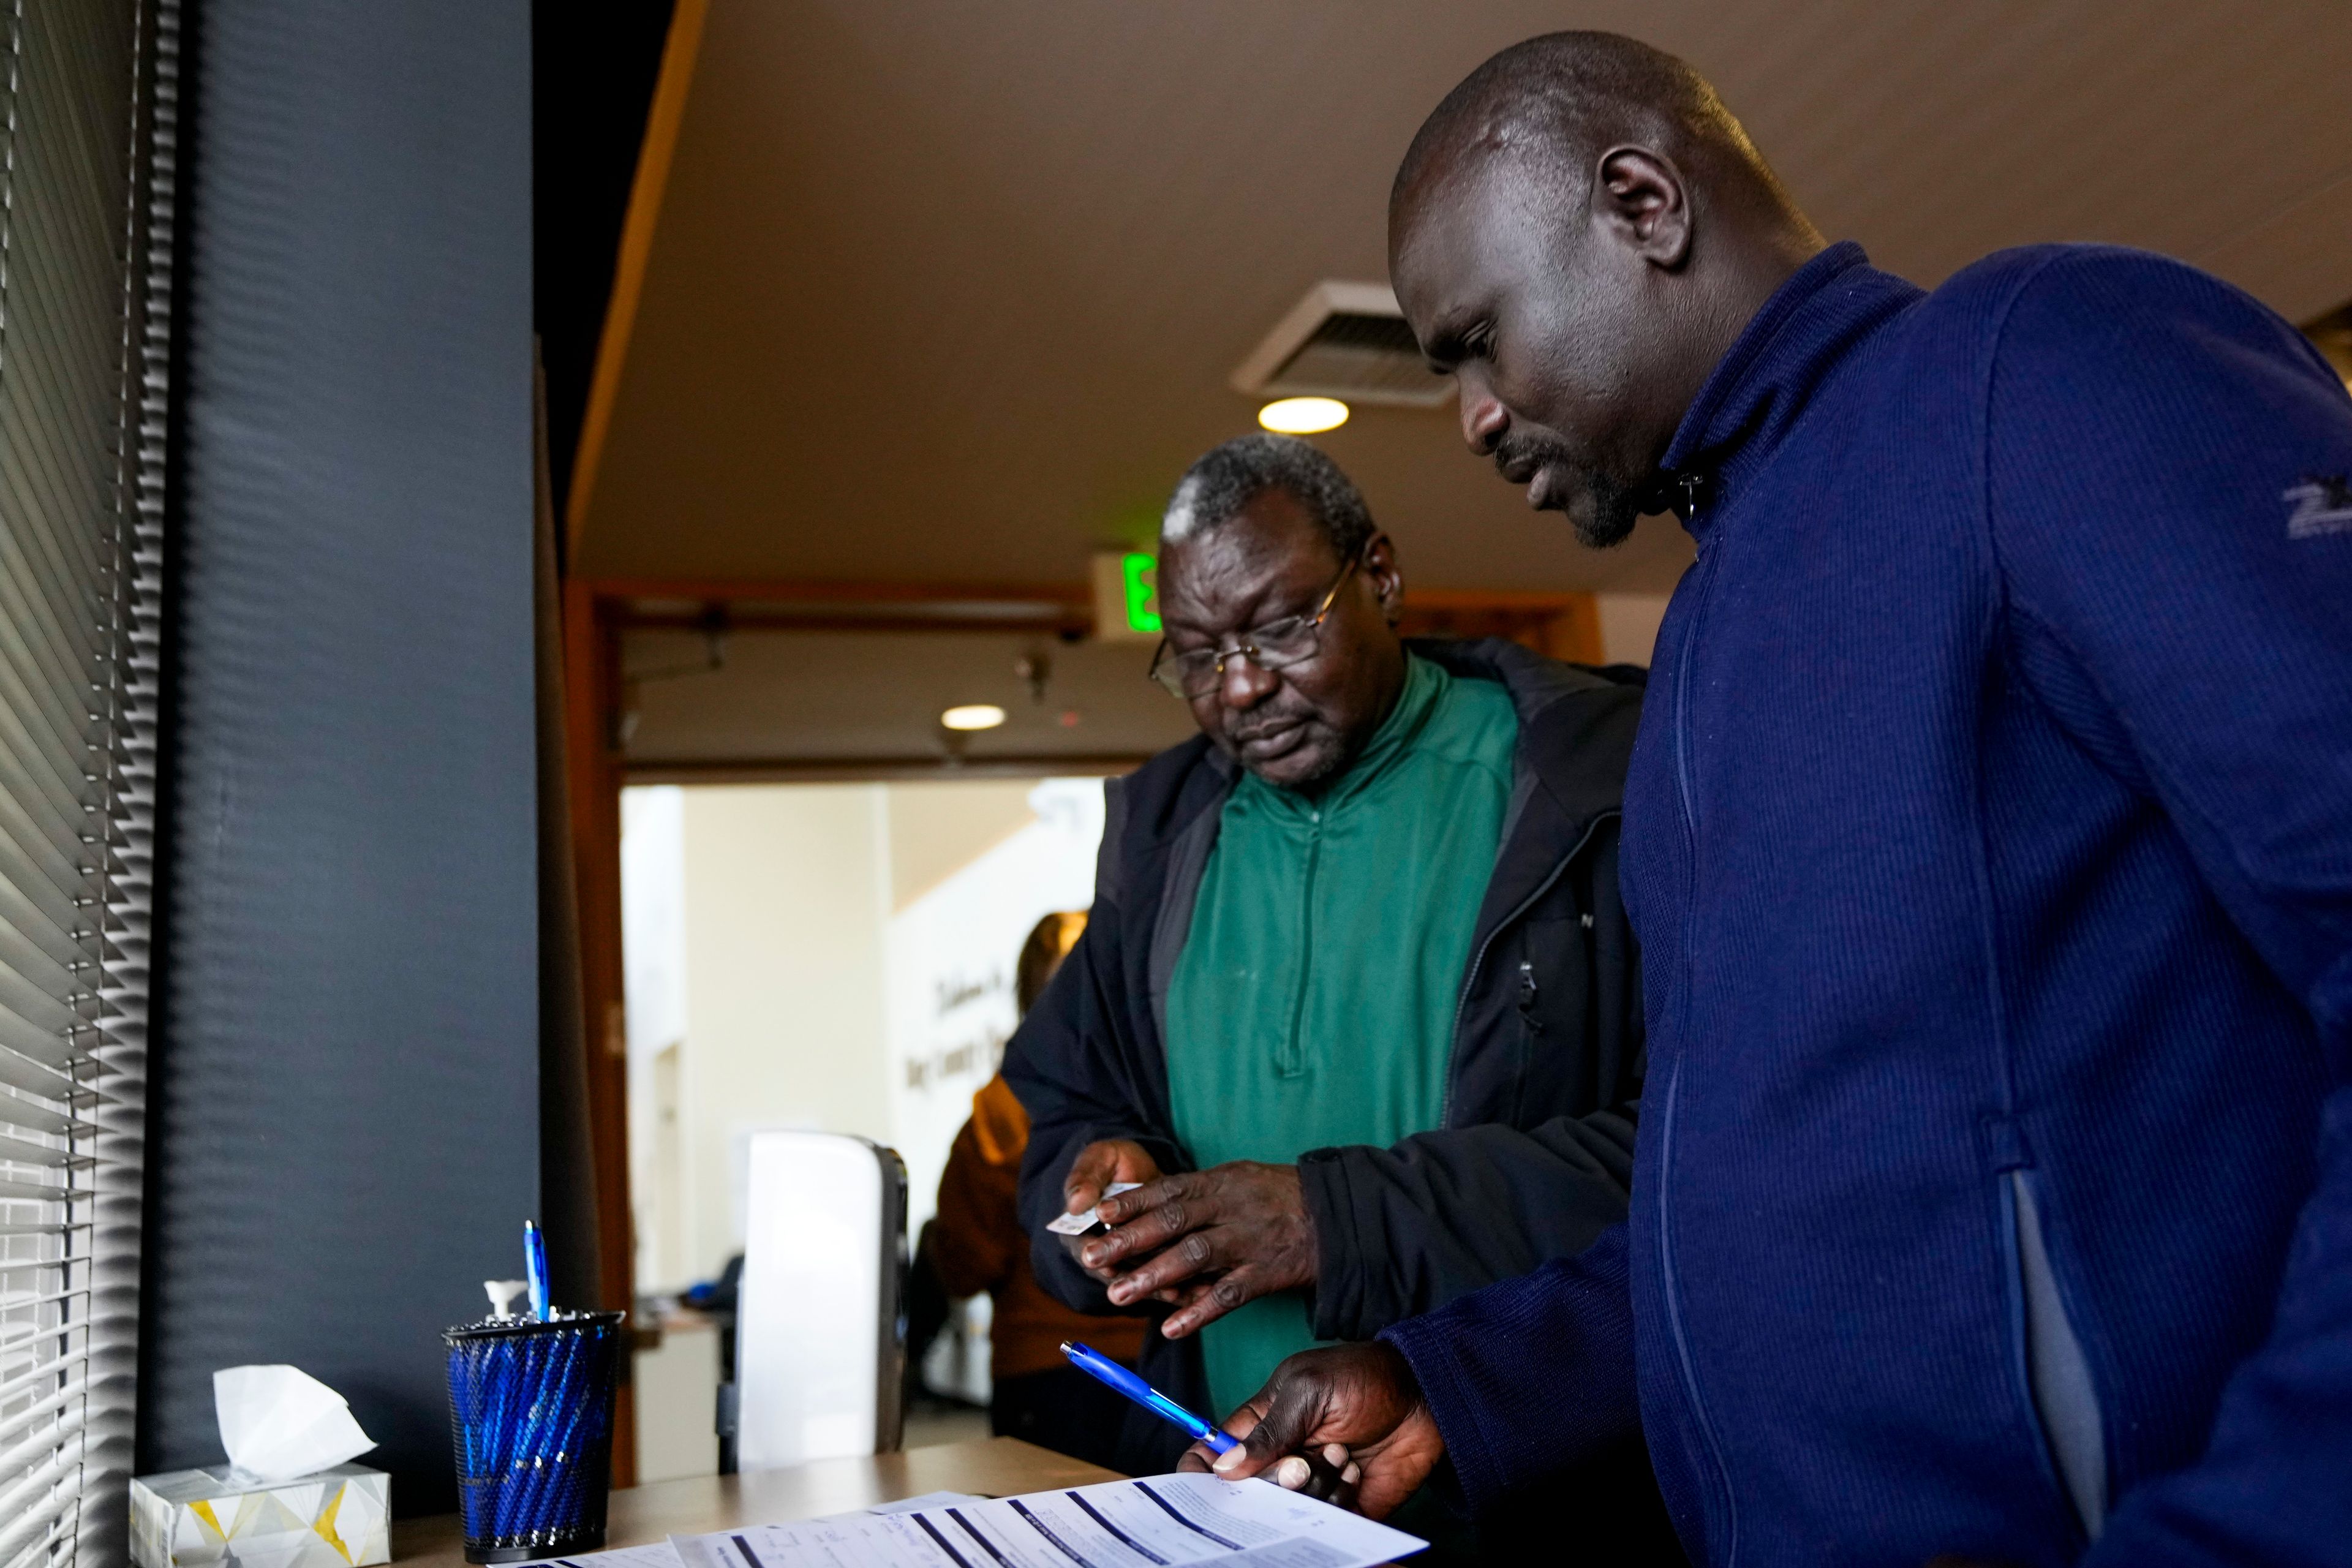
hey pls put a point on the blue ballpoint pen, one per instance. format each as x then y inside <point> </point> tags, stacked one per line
<point>534,1267</point>
<point>1102,1369</point>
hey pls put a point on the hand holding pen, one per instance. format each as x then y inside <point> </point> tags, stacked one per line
<point>1324,1477</point>
<point>1346,1424</point>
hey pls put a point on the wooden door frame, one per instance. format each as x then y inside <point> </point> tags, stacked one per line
<point>592,756</point>
<point>596,612</point>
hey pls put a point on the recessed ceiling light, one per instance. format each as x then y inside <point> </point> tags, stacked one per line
<point>1303,415</point>
<point>973,716</point>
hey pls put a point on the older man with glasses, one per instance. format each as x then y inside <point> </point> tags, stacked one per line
<point>1356,1008</point>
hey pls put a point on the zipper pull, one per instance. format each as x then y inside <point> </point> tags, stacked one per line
<point>1527,985</point>
<point>1695,485</point>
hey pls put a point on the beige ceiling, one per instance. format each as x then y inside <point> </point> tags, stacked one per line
<point>951,290</point>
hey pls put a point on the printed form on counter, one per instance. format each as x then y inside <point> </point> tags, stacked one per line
<point>1153,1522</point>
<point>662,1554</point>
<point>659,1555</point>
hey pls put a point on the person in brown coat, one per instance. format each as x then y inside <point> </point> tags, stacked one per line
<point>976,1243</point>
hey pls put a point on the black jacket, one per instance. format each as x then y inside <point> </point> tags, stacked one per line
<point>1535,1148</point>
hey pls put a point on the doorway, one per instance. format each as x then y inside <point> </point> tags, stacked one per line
<point>830,957</point>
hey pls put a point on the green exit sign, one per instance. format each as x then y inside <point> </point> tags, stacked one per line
<point>1139,579</point>
<point>1126,596</point>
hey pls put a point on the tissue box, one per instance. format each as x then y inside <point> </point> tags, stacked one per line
<point>320,1520</point>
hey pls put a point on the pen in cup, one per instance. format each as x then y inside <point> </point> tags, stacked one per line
<point>534,1267</point>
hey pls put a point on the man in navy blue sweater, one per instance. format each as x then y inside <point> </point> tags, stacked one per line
<point>1990,841</point>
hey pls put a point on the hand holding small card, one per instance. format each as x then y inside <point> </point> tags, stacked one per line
<point>1089,1223</point>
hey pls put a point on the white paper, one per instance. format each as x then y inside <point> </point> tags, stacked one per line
<point>928,1499</point>
<point>1150,1522</point>
<point>280,1422</point>
<point>1079,1224</point>
<point>660,1554</point>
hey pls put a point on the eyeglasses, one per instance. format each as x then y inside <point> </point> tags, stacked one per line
<point>1293,639</point>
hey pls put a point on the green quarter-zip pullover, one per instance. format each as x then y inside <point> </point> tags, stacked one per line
<point>1313,1004</point>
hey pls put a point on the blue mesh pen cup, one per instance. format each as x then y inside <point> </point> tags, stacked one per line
<point>530,1418</point>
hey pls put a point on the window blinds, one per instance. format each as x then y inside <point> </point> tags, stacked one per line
<point>85,253</point>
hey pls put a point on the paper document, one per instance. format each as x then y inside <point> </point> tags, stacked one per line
<point>928,1499</point>
<point>1153,1522</point>
<point>660,1554</point>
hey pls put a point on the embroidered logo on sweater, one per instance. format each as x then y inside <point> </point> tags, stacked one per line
<point>2322,504</point>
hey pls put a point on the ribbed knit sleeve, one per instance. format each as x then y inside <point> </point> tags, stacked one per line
<point>2169,479</point>
<point>1444,1213</point>
<point>1531,1376</point>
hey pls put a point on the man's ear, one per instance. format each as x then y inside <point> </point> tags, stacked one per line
<point>1638,197</point>
<point>1387,578</point>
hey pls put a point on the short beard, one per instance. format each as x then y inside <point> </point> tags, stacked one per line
<point>1610,511</point>
<point>1336,761</point>
<point>1615,509</point>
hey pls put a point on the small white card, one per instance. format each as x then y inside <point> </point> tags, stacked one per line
<point>1088,1221</point>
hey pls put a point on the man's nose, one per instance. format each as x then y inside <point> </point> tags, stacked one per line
<point>1484,418</point>
<point>1244,685</point>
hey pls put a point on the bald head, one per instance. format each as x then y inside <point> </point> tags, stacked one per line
<point>1562,100</point>
<point>1577,234</point>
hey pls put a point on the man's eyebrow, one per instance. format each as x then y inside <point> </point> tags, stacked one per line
<point>1261,613</point>
<point>1441,347</point>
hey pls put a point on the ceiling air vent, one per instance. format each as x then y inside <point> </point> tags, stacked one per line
<point>1347,340</point>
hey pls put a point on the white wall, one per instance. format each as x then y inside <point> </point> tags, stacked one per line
<point>834,957</point>
<point>652,957</point>
<point>785,898</point>
<point>653,917</point>
<point>1629,625</point>
<point>950,961</point>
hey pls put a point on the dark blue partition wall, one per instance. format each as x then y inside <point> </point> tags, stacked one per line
<point>345,1085</point>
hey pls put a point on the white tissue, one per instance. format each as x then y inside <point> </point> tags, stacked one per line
<point>280,1422</point>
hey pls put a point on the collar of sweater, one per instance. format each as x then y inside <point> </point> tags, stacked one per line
<point>1757,390</point>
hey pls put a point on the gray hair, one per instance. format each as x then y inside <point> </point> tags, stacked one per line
<point>1214,489</point>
